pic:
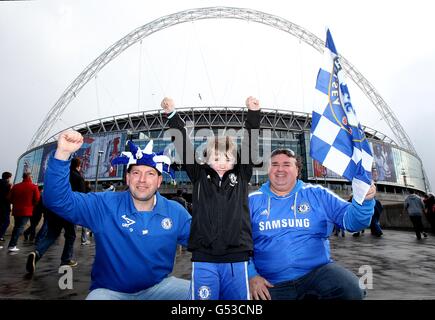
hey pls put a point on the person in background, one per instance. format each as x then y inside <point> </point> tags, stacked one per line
<point>38,210</point>
<point>78,184</point>
<point>5,204</point>
<point>429,203</point>
<point>375,226</point>
<point>24,196</point>
<point>414,206</point>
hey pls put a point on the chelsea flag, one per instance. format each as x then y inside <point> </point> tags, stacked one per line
<point>337,140</point>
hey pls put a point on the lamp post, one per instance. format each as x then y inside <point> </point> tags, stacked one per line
<point>404,178</point>
<point>374,173</point>
<point>98,169</point>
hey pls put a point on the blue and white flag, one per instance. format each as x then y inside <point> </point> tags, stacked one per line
<point>337,139</point>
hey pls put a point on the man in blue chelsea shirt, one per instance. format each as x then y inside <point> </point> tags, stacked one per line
<point>136,231</point>
<point>291,223</point>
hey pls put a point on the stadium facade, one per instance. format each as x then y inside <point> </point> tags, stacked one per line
<point>394,168</point>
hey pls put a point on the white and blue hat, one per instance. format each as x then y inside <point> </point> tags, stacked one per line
<point>146,157</point>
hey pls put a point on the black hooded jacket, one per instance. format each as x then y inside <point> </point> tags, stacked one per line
<point>221,225</point>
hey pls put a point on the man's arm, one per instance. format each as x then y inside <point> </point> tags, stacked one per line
<point>358,217</point>
<point>406,204</point>
<point>78,208</point>
<point>350,216</point>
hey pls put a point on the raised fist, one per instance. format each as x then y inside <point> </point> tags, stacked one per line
<point>252,103</point>
<point>168,105</point>
<point>69,142</point>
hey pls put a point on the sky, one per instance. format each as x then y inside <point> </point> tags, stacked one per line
<point>47,44</point>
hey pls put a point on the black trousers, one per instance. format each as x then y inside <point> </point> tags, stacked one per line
<point>418,225</point>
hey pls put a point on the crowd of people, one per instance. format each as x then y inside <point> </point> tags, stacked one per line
<point>270,244</point>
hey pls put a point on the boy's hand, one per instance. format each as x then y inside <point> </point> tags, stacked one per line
<point>252,104</point>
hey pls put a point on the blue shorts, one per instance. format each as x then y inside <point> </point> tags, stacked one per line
<point>219,281</point>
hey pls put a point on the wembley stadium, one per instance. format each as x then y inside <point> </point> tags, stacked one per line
<point>396,167</point>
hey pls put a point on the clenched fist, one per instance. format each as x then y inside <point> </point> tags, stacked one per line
<point>167,105</point>
<point>69,142</point>
<point>252,103</point>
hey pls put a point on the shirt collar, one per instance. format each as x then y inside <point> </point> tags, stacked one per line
<point>159,208</point>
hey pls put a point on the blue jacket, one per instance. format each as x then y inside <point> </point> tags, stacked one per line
<point>414,205</point>
<point>291,232</point>
<point>134,250</point>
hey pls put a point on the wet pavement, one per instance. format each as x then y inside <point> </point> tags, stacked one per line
<point>402,267</point>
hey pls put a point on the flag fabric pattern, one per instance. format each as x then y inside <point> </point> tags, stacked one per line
<point>337,139</point>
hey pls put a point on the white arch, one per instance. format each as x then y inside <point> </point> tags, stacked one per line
<point>216,13</point>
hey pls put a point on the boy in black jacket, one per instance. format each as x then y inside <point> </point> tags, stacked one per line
<point>220,238</point>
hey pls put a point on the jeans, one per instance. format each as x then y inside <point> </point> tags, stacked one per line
<point>42,232</point>
<point>19,224</point>
<point>330,281</point>
<point>54,228</point>
<point>170,288</point>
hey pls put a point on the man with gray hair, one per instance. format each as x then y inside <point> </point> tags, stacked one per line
<point>415,207</point>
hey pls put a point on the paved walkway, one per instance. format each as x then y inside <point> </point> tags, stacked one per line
<point>403,267</point>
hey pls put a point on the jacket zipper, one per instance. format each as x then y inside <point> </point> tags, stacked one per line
<point>199,188</point>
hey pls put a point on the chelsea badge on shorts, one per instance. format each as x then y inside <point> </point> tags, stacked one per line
<point>204,293</point>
